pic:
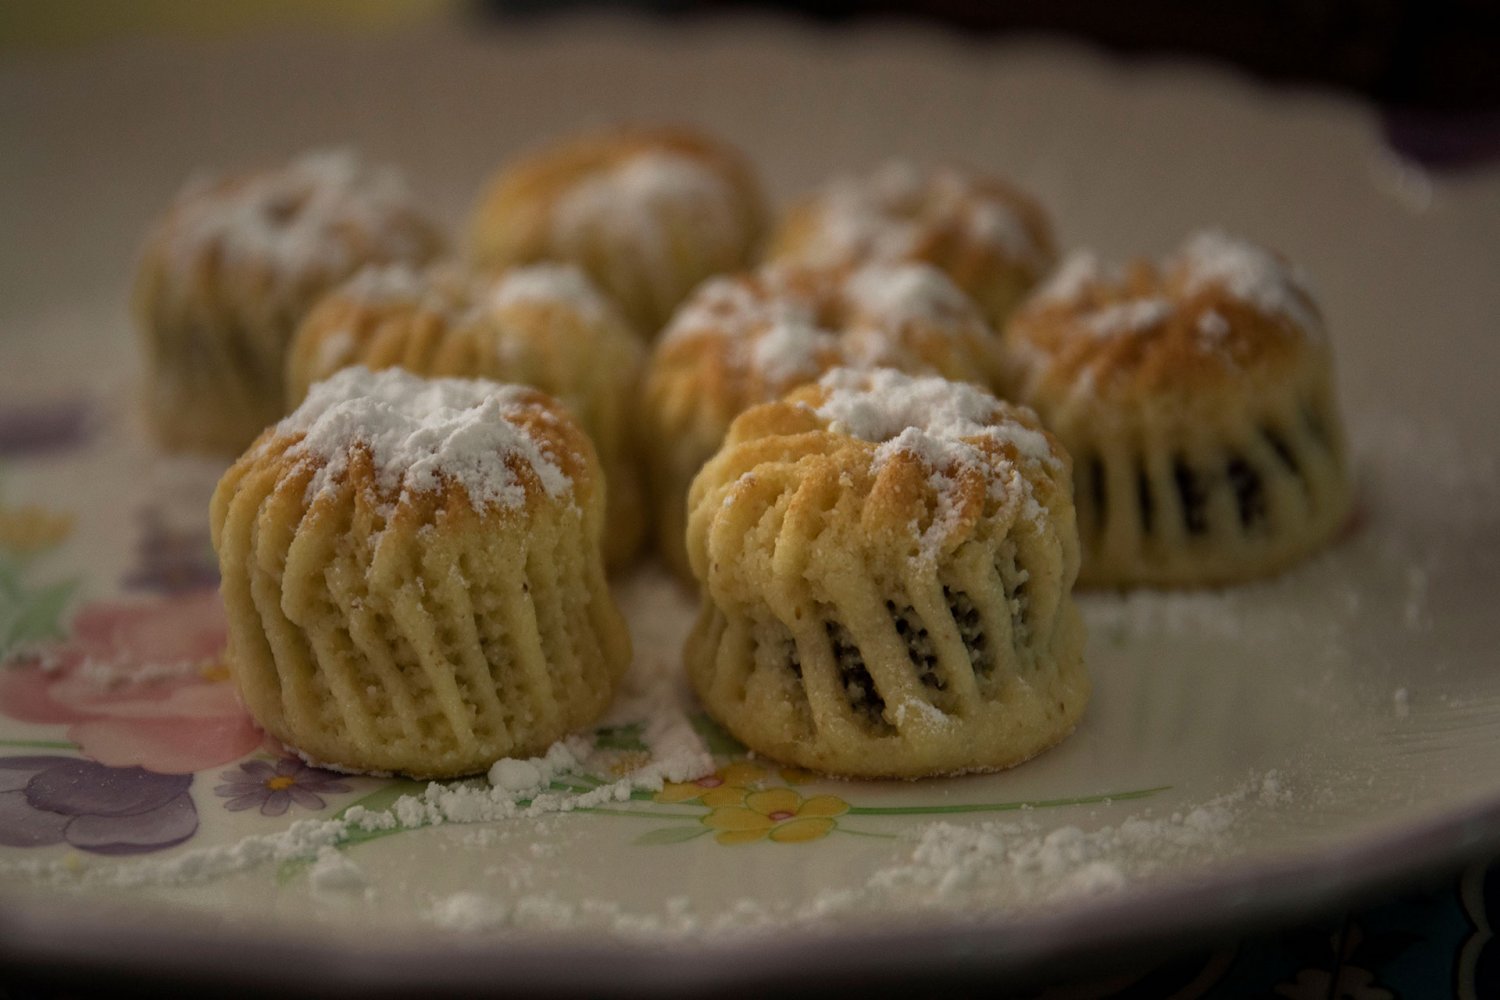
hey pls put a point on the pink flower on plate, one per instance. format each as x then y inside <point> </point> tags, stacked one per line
<point>138,684</point>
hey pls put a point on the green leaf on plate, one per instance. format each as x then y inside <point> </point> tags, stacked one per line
<point>671,835</point>
<point>719,742</point>
<point>28,616</point>
<point>627,737</point>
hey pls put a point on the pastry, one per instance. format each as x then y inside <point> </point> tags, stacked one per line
<point>545,326</point>
<point>993,240</point>
<point>1196,397</point>
<point>228,273</point>
<point>412,575</point>
<point>648,213</point>
<point>886,566</point>
<point>749,339</point>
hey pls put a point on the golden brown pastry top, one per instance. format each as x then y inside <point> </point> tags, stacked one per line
<point>438,320</point>
<point>417,442</point>
<point>750,338</point>
<point>937,462</point>
<point>292,229</point>
<point>620,171</point>
<point>902,212</point>
<point>1219,310</point>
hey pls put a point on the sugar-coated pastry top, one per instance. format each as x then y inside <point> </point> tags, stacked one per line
<point>427,319</point>
<point>502,444</point>
<point>648,212</point>
<point>323,213</point>
<point>902,212</point>
<point>940,455</point>
<point>1215,311</point>
<point>752,337</point>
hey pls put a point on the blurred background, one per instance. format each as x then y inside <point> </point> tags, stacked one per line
<point>1431,66</point>
<point>1432,54</point>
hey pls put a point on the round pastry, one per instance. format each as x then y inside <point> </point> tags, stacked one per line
<point>225,277</point>
<point>994,241</point>
<point>749,339</point>
<point>1196,398</point>
<point>886,566</point>
<point>412,576</point>
<point>545,326</point>
<point>648,213</point>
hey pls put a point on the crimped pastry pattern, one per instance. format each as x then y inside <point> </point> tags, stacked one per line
<point>545,326</point>
<point>749,339</point>
<point>382,628</point>
<point>1197,400</point>
<point>871,609</point>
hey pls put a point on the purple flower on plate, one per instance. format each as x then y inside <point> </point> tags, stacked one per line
<point>275,787</point>
<point>41,428</point>
<point>172,560</point>
<point>48,800</point>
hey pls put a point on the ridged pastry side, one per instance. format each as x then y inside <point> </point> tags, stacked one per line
<point>1197,401</point>
<point>406,630</point>
<point>648,213</point>
<point>749,339</point>
<point>545,326</point>
<point>885,616</point>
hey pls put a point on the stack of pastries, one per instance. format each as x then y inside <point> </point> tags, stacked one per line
<point>883,438</point>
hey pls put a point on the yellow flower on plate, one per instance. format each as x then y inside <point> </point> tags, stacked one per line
<point>726,786</point>
<point>779,813</point>
<point>31,529</point>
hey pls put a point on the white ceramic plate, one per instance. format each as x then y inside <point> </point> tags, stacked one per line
<point>1249,754</point>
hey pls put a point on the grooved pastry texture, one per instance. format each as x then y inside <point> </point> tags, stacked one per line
<point>886,566</point>
<point>412,576</point>
<point>743,340</point>
<point>545,326</point>
<point>1196,398</point>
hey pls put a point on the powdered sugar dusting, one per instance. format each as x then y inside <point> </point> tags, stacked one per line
<point>1128,318</point>
<point>887,406</point>
<point>903,293</point>
<point>299,218</point>
<point>563,284</point>
<point>422,432</point>
<point>791,349</point>
<point>1247,272</point>
<point>940,422</point>
<point>1076,273</point>
<point>883,216</point>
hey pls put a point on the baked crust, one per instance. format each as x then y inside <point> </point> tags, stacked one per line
<point>648,213</point>
<point>233,266</point>
<point>545,326</point>
<point>750,338</point>
<point>992,239</point>
<point>398,622</point>
<point>887,604</point>
<point>1196,396</point>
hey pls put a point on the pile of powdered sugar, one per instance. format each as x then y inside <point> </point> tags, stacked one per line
<point>518,790</point>
<point>945,867</point>
<point>421,432</point>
